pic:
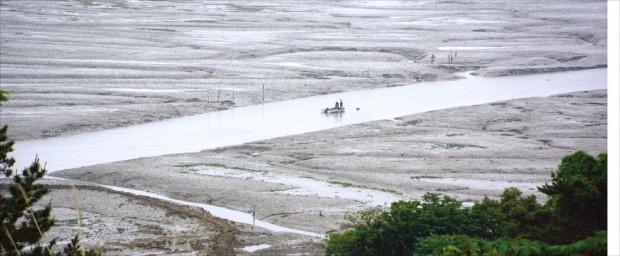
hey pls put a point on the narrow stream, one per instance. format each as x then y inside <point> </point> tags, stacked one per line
<point>221,212</point>
<point>246,124</point>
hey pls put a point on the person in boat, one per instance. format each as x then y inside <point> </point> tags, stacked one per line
<point>337,105</point>
<point>341,106</point>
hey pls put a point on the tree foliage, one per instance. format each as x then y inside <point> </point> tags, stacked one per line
<point>578,194</point>
<point>572,222</point>
<point>514,216</point>
<point>395,230</point>
<point>461,245</point>
<point>24,224</point>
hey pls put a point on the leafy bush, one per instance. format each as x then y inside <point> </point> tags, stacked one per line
<point>592,245</point>
<point>394,231</point>
<point>512,225</point>
<point>578,195</point>
<point>461,245</point>
<point>514,216</point>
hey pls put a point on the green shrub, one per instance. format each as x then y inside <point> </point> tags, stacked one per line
<point>578,195</point>
<point>395,231</point>
<point>513,225</point>
<point>461,245</point>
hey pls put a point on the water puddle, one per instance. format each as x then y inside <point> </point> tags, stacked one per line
<point>307,186</point>
<point>254,248</point>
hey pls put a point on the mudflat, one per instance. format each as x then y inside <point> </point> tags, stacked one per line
<point>92,65</point>
<point>80,66</point>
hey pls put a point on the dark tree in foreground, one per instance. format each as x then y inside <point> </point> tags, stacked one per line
<point>514,215</point>
<point>22,224</point>
<point>578,194</point>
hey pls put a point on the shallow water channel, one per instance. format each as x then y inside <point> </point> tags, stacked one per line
<point>246,124</point>
<point>270,120</point>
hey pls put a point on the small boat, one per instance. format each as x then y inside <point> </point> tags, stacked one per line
<point>333,110</point>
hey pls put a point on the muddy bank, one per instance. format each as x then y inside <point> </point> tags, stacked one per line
<point>309,181</point>
<point>93,65</point>
<point>119,223</point>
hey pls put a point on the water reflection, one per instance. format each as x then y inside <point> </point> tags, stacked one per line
<point>240,125</point>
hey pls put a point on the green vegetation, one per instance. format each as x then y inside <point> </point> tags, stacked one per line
<point>86,2</point>
<point>578,194</point>
<point>23,221</point>
<point>347,185</point>
<point>22,225</point>
<point>424,177</point>
<point>120,4</point>
<point>343,184</point>
<point>572,222</point>
<point>188,165</point>
<point>455,146</point>
<point>216,165</point>
<point>396,230</point>
<point>115,3</point>
<point>202,21</point>
<point>3,95</point>
<point>242,8</point>
<point>468,246</point>
<point>162,29</point>
<point>71,222</point>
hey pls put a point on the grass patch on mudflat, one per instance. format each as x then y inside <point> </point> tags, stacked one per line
<point>424,177</point>
<point>217,165</point>
<point>242,8</point>
<point>454,146</point>
<point>350,185</point>
<point>161,29</point>
<point>202,21</point>
<point>86,2</point>
<point>451,189</point>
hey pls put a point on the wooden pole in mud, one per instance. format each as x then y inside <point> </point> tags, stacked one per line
<point>263,93</point>
<point>253,216</point>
